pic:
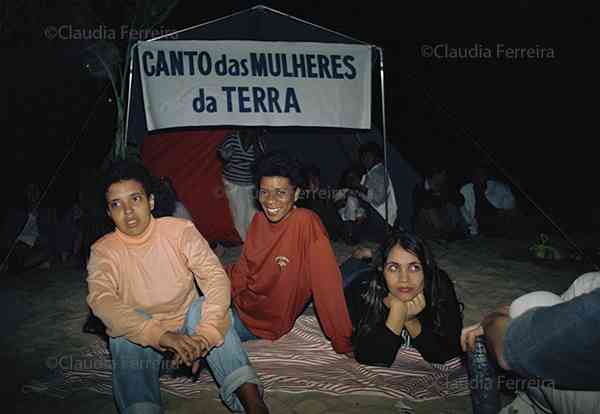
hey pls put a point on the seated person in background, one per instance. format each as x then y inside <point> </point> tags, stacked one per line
<point>26,240</point>
<point>318,199</point>
<point>552,338</point>
<point>349,208</point>
<point>287,259</point>
<point>404,300</point>
<point>167,202</point>
<point>141,285</point>
<point>489,205</point>
<point>363,222</point>
<point>437,205</point>
<point>372,187</point>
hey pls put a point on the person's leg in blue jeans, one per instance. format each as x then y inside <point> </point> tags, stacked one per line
<point>136,369</point>
<point>229,362</point>
<point>240,328</point>
<point>135,381</point>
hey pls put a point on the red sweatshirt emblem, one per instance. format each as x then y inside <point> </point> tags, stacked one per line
<point>282,261</point>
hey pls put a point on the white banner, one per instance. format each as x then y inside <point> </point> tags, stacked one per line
<point>202,83</point>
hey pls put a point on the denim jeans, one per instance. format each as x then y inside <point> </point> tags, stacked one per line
<point>558,343</point>
<point>240,328</point>
<point>135,378</point>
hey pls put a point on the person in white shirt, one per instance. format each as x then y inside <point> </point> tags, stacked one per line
<point>487,204</point>
<point>349,208</point>
<point>372,187</point>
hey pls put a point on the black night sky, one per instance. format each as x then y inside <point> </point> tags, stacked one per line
<point>533,114</point>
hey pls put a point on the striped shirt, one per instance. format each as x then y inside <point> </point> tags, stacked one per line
<point>238,166</point>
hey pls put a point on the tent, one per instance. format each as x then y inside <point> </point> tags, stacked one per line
<point>188,154</point>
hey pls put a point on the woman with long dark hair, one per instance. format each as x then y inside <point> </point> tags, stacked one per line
<point>405,300</point>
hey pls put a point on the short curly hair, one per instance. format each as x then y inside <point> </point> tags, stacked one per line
<point>123,170</point>
<point>278,164</point>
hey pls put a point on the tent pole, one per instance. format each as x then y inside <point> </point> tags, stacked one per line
<point>383,128</point>
<point>130,76</point>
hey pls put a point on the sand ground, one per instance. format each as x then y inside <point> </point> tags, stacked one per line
<point>44,311</point>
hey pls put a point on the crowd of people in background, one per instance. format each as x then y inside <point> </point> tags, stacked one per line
<point>36,233</point>
<point>353,210</point>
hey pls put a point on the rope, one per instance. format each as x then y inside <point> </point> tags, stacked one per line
<point>55,175</point>
<point>496,164</point>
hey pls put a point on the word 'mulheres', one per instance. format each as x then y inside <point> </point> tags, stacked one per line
<point>287,65</point>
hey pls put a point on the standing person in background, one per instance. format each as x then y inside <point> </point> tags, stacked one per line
<point>239,152</point>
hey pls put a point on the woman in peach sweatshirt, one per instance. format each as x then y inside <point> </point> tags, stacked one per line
<point>141,285</point>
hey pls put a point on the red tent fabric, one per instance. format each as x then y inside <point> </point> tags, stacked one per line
<point>189,158</point>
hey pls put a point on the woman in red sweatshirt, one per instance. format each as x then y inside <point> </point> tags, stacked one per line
<point>287,259</point>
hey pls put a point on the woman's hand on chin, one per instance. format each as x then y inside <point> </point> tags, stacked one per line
<point>412,307</point>
<point>397,316</point>
<point>392,302</point>
<point>415,306</point>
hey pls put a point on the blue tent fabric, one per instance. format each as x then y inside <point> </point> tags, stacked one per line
<point>334,150</point>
